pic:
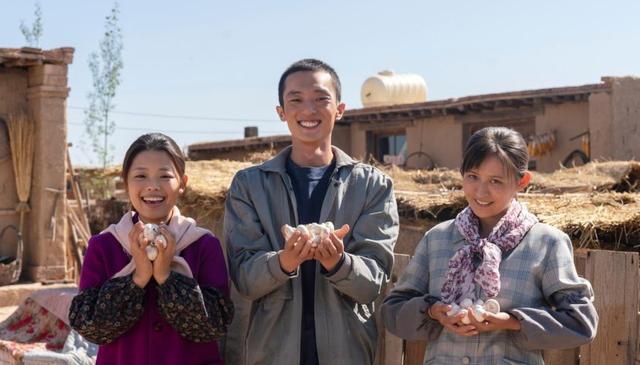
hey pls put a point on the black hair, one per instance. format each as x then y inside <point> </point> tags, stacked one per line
<point>504,143</point>
<point>313,65</point>
<point>154,142</point>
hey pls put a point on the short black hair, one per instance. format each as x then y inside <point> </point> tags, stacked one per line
<point>308,64</point>
<point>154,142</point>
<point>504,143</point>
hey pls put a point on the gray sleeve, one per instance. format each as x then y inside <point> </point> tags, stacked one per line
<point>570,320</point>
<point>404,311</point>
<point>369,253</point>
<point>253,265</point>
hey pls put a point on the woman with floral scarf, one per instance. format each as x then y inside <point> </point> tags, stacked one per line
<point>494,252</point>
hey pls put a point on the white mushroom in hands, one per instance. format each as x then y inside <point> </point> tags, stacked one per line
<point>316,232</point>
<point>153,235</point>
<point>480,309</point>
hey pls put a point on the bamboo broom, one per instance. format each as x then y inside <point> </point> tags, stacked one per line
<point>21,139</point>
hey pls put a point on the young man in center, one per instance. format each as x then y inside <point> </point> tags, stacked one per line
<point>311,303</point>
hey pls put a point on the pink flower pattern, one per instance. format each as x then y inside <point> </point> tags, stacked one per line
<point>31,327</point>
<point>462,276</point>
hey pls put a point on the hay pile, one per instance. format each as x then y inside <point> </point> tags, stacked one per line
<point>602,220</point>
<point>206,191</point>
<point>620,176</point>
<point>436,180</point>
<point>599,216</point>
<point>92,172</point>
<point>592,220</point>
<point>429,206</point>
<point>260,156</point>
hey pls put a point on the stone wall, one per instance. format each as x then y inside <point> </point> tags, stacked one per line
<point>40,89</point>
<point>625,103</point>
<point>47,96</point>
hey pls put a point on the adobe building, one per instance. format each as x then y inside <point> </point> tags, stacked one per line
<point>35,81</point>
<point>601,120</point>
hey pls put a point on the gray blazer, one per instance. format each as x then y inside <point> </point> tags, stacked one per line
<point>540,287</point>
<point>260,201</point>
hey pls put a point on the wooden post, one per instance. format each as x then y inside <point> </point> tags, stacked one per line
<point>614,276</point>
<point>414,352</point>
<point>398,351</point>
<point>390,347</point>
<point>561,357</point>
<point>78,196</point>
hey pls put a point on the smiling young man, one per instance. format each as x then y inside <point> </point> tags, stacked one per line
<point>311,304</point>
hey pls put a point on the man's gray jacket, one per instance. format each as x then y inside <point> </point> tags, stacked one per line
<point>260,201</point>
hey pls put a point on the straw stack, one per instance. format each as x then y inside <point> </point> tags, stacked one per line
<point>617,176</point>
<point>597,216</point>
<point>620,176</point>
<point>21,138</point>
<point>594,220</point>
<point>439,179</point>
<point>206,191</point>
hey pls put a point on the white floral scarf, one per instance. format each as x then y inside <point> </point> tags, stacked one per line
<point>462,277</point>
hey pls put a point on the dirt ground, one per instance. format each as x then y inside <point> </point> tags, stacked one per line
<point>6,312</point>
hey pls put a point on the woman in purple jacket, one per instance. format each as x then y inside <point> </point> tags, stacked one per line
<point>167,311</point>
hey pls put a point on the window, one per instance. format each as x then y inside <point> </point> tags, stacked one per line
<point>390,144</point>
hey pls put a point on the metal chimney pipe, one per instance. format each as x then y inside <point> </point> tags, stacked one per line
<point>250,132</point>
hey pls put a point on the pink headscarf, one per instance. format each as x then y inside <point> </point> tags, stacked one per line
<point>184,230</point>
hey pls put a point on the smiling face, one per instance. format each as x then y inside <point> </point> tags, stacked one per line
<point>489,189</point>
<point>153,185</point>
<point>310,107</point>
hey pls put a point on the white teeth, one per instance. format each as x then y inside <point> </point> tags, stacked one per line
<point>153,199</point>
<point>482,203</point>
<point>309,124</point>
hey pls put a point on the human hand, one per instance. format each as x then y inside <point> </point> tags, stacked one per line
<point>297,249</point>
<point>162,263</point>
<point>495,322</point>
<point>438,311</point>
<point>144,268</point>
<point>330,250</point>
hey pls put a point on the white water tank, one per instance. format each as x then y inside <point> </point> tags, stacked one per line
<point>389,88</point>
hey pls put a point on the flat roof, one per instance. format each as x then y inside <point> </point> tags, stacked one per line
<point>27,56</point>
<point>244,143</point>
<point>476,103</point>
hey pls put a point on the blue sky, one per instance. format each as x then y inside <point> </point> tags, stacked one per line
<point>223,59</point>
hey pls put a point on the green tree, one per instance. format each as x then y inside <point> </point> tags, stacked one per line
<point>106,67</point>
<point>32,35</point>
